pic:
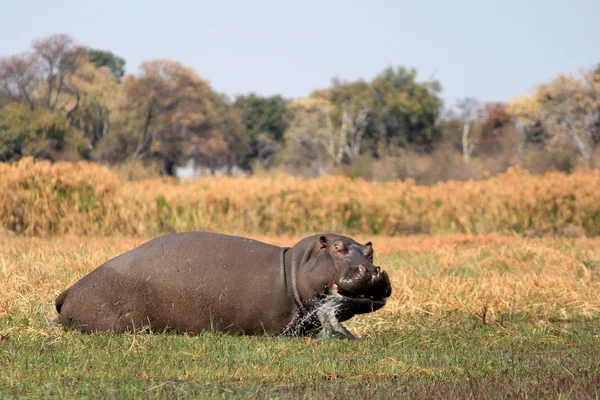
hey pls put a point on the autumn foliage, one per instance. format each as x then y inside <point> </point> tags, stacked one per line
<point>40,198</point>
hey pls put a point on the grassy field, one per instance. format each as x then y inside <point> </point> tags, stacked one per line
<point>483,316</point>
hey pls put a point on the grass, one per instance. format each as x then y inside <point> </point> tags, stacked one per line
<point>471,316</point>
<point>39,198</point>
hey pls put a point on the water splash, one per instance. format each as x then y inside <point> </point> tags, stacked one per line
<point>320,318</point>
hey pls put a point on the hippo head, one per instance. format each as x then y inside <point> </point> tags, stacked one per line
<point>339,267</point>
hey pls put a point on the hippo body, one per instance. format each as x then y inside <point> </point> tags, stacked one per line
<point>195,281</point>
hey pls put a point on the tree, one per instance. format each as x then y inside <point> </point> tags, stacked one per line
<point>494,130</point>
<point>54,80</point>
<point>105,58</point>
<point>467,114</point>
<point>312,140</point>
<point>352,106</point>
<point>405,111</point>
<point>56,58</point>
<point>17,79</point>
<point>119,145</point>
<point>43,77</point>
<point>266,119</point>
<point>170,103</point>
<point>568,108</point>
<point>97,90</point>
<point>38,133</point>
<point>452,128</point>
<point>393,109</point>
<point>230,124</point>
<point>224,141</point>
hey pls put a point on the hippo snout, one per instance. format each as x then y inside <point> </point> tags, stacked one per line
<point>380,284</point>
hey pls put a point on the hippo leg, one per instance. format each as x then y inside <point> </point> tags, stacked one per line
<point>331,327</point>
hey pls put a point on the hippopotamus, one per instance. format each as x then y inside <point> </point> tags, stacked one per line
<point>189,282</point>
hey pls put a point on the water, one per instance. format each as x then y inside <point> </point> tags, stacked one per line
<point>320,318</point>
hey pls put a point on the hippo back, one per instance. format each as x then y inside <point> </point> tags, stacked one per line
<point>186,282</point>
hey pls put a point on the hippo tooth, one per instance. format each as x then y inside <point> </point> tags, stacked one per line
<point>335,290</point>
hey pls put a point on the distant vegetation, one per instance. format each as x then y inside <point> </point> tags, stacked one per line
<point>65,102</point>
<point>40,198</point>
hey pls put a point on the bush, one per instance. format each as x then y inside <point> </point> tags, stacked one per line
<point>40,198</point>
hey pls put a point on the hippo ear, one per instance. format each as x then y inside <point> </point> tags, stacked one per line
<point>323,240</point>
<point>369,251</point>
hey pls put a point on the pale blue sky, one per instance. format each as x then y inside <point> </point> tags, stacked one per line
<point>492,50</point>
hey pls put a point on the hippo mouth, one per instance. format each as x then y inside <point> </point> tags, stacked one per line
<point>376,301</point>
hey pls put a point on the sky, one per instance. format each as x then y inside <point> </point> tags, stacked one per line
<point>491,50</point>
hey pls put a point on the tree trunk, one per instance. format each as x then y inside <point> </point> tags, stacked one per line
<point>319,162</point>
<point>29,100</point>
<point>70,118</point>
<point>465,142</point>
<point>58,90</point>
<point>585,149</point>
<point>49,95</point>
<point>354,130</point>
<point>146,139</point>
<point>169,168</point>
<point>230,164</point>
<point>105,123</point>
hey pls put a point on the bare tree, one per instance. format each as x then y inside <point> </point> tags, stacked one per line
<point>56,57</point>
<point>353,129</point>
<point>334,143</point>
<point>17,78</point>
<point>468,113</point>
<point>572,107</point>
<point>568,110</point>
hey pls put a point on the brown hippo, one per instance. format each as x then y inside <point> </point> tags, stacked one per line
<point>194,281</point>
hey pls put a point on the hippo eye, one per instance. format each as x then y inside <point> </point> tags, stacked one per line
<point>338,246</point>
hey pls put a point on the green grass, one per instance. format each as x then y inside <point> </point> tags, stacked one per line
<point>452,357</point>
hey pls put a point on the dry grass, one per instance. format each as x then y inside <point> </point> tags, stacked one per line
<point>39,198</point>
<point>495,278</point>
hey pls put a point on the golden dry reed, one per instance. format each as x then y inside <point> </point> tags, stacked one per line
<point>40,198</point>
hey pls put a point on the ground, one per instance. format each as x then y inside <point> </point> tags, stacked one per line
<point>471,316</point>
